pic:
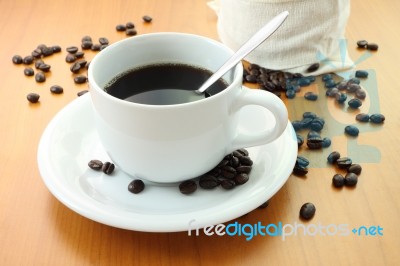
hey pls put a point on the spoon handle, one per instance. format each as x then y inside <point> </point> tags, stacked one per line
<point>246,48</point>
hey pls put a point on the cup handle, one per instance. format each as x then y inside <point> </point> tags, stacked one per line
<point>269,101</point>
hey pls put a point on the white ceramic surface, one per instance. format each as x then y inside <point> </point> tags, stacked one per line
<point>70,141</point>
<point>170,143</point>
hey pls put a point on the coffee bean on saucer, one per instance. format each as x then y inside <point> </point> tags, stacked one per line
<point>188,187</point>
<point>228,184</point>
<point>108,168</point>
<point>208,181</point>
<point>244,169</point>
<point>136,186</point>
<point>245,160</point>
<point>95,164</point>
<point>307,211</point>
<point>228,171</point>
<point>241,178</point>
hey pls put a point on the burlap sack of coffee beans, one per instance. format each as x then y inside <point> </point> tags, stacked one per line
<point>312,33</point>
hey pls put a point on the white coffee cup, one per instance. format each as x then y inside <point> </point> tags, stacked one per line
<point>172,143</point>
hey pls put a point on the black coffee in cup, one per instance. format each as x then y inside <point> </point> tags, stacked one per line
<point>162,84</point>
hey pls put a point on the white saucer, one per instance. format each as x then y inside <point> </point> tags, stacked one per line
<point>70,141</point>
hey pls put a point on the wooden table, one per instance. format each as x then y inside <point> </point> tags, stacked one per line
<point>36,229</point>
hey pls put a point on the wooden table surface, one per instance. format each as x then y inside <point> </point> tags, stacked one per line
<point>36,229</point>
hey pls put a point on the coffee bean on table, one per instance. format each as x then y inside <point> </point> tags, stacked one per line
<point>86,45</point>
<point>350,179</point>
<point>95,47</point>
<point>361,74</point>
<point>188,187</point>
<point>136,186</point>
<point>147,18</point>
<point>338,180</point>
<point>56,48</point>
<point>333,157</point>
<point>361,94</point>
<point>56,89</point>
<point>44,67</point>
<point>344,162</point>
<point>377,118</point>
<point>37,53</point>
<point>352,130</point>
<point>341,98</point>
<point>108,168</point>
<point>362,43</point>
<point>361,117</point>
<point>129,25</point>
<point>355,168</point>
<point>86,38</point>
<point>70,58</point>
<point>353,88</point>
<point>131,32</point>
<point>40,77</point>
<point>300,170</point>
<point>17,59</point>
<point>104,41</point>
<point>33,97</point>
<point>27,60</point>
<point>310,96</point>
<point>120,27</point>
<point>82,93</point>
<point>80,79</point>
<point>326,142</point>
<point>314,143</point>
<point>302,161</point>
<point>95,164</point>
<point>372,46</point>
<point>38,62</point>
<point>47,51</point>
<point>28,71</point>
<point>75,67</point>
<point>300,140</point>
<point>307,211</point>
<point>313,67</point>
<point>72,49</point>
<point>79,54</point>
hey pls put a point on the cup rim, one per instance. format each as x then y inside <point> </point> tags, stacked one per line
<point>238,72</point>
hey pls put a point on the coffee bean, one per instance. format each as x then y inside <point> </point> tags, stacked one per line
<point>17,59</point>
<point>228,184</point>
<point>355,168</point>
<point>297,125</point>
<point>361,117</point>
<point>361,74</point>
<point>47,51</point>
<point>108,168</point>
<point>338,180</point>
<point>40,77</point>
<point>326,142</point>
<point>314,143</point>
<point>300,140</point>
<point>317,124</point>
<point>330,83</point>
<point>309,115</point>
<point>79,54</point>
<point>129,25</point>
<point>350,179</point>
<point>37,53</point>
<point>243,169</point>
<point>38,62</point>
<point>234,162</point>
<point>75,67</point>
<point>228,171</point>
<point>147,18</point>
<point>44,67</point>
<point>120,27</point>
<point>56,48</point>
<point>208,181</point>
<point>361,94</point>
<point>56,89</point>
<point>354,103</point>
<point>326,77</point>
<point>362,44</point>
<point>341,98</point>
<point>303,82</point>
<point>310,96</point>
<point>33,97</point>
<point>342,86</point>
<point>251,78</point>
<point>302,161</point>
<point>86,38</point>
<point>372,46</point>
<point>264,205</point>
<point>353,88</point>
<point>353,81</point>
<point>86,45</point>
<point>80,79</point>
<point>131,32</point>
<point>333,157</point>
<point>313,134</point>
<point>136,186</point>
<point>241,178</point>
<point>104,41</point>
<point>307,211</point>
<point>28,71</point>
<point>352,131</point>
<point>377,118</point>
<point>245,160</point>
<point>27,60</point>
<point>95,164</point>
<point>79,94</point>
<point>72,49</point>
<point>300,170</point>
<point>82,63</point>
<point>242,152</point>
<point>188,187</point>
<point>344,162</point>
<point>332,92</point>
<point>95,47</point>
<point>313,67</point>
<point>70,58</point>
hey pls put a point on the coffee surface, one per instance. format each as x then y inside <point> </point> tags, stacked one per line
<point>162,84</point>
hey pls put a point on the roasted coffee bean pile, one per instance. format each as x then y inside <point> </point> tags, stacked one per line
<point>353,170</point>
<point>277,81</point>
<point>232,171</point>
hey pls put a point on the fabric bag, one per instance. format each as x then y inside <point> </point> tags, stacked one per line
<point>312,33</point>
